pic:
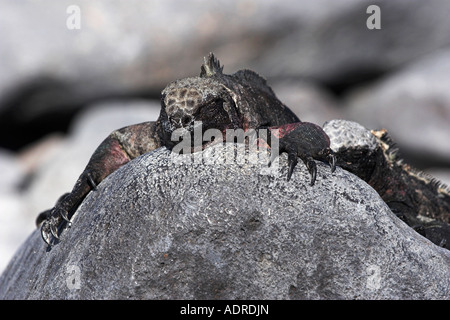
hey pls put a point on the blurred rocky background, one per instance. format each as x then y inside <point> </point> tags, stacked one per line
<point>63,90</point>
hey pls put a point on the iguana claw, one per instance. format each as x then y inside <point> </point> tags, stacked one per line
<point>292,162</point>
<point>54,231</point>
<point>45,233</point>
<point>332,161</point>
<point>311,165</point>
<point>63,215</point>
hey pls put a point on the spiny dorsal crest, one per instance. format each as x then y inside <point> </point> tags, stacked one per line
<point>211,66</point>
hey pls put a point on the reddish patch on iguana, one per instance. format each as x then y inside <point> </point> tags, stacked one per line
<point>281,131</point>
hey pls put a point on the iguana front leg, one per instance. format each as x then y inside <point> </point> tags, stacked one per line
<point>306,141</point>
<point>117,149</point>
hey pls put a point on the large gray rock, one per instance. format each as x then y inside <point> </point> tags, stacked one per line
<point>156,229</point>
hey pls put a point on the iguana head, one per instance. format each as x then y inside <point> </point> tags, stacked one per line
<point>206,99</point>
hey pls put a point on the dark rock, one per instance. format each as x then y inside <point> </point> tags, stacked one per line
<point>158,229</point>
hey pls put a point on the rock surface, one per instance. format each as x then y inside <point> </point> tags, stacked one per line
<point>155,229</point>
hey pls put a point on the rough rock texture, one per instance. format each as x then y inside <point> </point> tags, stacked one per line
<point>155,229</point>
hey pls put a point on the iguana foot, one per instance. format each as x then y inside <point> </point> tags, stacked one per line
<point>49,230</point>
<point>56,219</point>
<point>306,141</point>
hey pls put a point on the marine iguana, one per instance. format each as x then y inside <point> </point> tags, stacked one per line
<point>242,100</point>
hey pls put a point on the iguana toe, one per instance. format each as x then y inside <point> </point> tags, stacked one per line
<point>332,161</point>
<point>45,232</point>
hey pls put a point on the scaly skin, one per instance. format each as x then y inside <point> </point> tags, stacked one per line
<point>242,100</point>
